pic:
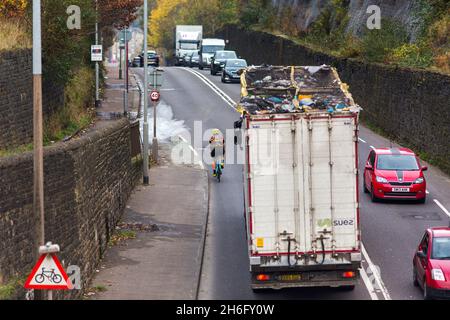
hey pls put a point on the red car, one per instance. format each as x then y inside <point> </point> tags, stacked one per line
<point>394,173</point>
<point>431,264</point>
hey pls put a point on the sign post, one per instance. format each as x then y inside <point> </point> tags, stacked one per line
<point>156,83</point>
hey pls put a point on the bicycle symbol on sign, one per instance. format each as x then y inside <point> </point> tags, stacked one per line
<point>50,275</point>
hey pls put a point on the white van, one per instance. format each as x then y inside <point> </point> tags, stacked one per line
<point>207,49</point>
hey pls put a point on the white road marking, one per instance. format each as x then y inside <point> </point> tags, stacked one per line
<point>228,100</point>
<point>364,275</point>
<point>200,163</point>
<point>442,207</point>
<point>368,284</point>
<point>362,140</point>
<point>376,275</point>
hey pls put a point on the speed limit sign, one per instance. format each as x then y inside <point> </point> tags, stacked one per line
<point>154,96</point>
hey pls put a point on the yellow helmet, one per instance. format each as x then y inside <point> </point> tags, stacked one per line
<point>216,132</point>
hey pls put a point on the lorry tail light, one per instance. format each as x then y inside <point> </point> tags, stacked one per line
<point>349,274</point>
<point>263,277</point>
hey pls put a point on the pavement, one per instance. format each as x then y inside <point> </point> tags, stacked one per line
<point>113,96</point>
<point>169,219</point>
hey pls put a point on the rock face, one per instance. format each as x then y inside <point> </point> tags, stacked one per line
<point>307,11</point>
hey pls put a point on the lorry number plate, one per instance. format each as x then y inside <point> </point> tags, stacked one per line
<point>400,189</point>
<point>290,277</point>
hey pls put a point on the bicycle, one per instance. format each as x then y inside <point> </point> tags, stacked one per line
<point>218,167</point>
<point>50,275</point>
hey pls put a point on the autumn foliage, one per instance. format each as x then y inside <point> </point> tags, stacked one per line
<point>12,8</point>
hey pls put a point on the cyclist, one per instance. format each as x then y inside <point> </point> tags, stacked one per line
<point>217,143</point>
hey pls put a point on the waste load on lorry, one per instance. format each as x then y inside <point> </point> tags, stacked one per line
<point>299,132</point>
<point>269,89</point>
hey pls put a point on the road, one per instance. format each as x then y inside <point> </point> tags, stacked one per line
<point>390,230</point>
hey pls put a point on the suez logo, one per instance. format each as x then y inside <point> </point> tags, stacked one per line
<point>323,223</point>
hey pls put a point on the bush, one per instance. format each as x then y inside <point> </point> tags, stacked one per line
<point>378,44</point>
<point>75,114</point>
<point>412,55</point>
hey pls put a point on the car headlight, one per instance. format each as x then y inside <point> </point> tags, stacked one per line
<point>419,181</point>
<point>437,274</point>
<point>381,180</point>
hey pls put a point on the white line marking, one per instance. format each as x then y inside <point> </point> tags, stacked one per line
<point>229,101</point>
<point>368,284</point>
<point>442,207</point>
<point>376,275</point>
<point>200,163</point>
<point>362,140</point>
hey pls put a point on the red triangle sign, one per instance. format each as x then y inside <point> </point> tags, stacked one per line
<point>48,274</point>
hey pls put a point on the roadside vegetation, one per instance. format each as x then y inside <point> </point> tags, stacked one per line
<point>329,34</point>
<point>66,53</point>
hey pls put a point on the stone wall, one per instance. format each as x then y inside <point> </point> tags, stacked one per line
<point>16,98</point>
<point>411,106</point>
<point>87,184</point>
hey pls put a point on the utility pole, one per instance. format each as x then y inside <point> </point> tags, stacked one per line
<point>97,66</point>
<point>38,160</point>
<point>145,129</point>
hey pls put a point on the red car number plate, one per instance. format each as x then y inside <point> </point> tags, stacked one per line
<point>400,189</point>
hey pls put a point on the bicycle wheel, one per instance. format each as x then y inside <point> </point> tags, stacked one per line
<point>39,278</point>
<point>56,278</point>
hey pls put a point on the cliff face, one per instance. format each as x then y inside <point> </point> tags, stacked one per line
<point>305,12</point>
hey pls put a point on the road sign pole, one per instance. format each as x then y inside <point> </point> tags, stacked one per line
<point>155,104</point>
<point>145,129</point>
<point>38,161</point>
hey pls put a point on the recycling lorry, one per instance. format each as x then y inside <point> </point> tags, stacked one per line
<point>299,133</point>
<point>187,41</point>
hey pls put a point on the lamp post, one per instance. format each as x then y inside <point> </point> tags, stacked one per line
<point>38,158</point>
<point>145,126</point>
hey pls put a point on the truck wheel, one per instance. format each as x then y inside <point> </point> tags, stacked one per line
<point>261,291</point>
<point>347,288</point>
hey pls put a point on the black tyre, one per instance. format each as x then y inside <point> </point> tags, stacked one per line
<point>200,67</point>
<point>422,201</point>
<point>365,186</point>
<point>415,281</point>
<point>373,197</point>
<point>222,79</point>
<point>426,294</point>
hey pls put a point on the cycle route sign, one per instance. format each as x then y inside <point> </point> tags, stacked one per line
<point>48,274</point>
